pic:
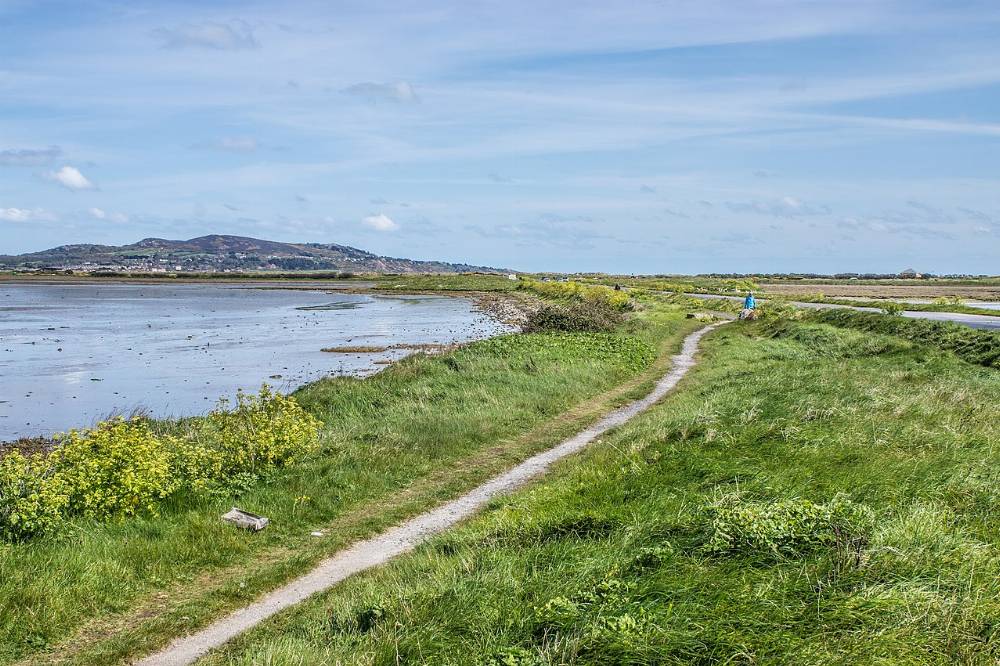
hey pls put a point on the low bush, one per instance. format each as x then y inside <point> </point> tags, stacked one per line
<point>584,316</point>
<point>515,656</point>
<point>628,352</point>
<point>892,308</point>
<point>262,432</point>
<point>785,528</point>
<point>33,496</point>
<point>118,468</point>
<point>576,291</point>
<point>122,467</point>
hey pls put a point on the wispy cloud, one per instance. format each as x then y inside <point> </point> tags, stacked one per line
<point>795,113</point>
<point>101,214</point>
<point>401,92</point>
<point>26,215</point>
<point>231,36</point>
<point>552,230</point>
<point>234,144</point>
<point>29,156</point>
<point>781,207</point>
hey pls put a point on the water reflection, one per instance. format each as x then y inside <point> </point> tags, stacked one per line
<point>72,354</point>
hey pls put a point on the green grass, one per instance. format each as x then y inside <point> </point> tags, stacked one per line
<point>450,282</point>
<point>973,345</point>
<point>881,303</point>
<point>851,478</point>
<point>393,444</point>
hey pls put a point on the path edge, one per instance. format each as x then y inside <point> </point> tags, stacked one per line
<point>409,534</point>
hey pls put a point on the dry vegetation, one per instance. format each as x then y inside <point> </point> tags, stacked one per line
<point>930,290</point>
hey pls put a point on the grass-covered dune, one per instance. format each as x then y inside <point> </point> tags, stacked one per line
<point>810,495</point>
<point>98,591</point>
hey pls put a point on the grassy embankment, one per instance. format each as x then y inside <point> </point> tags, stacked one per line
<point>391,445</point>
<point>445,282</point>
<point>944,299</point>
<point>974,346</point>
<point>811,494</point>
<point>942,304</point>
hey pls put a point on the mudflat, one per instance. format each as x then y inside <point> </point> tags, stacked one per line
<point>74,353</point>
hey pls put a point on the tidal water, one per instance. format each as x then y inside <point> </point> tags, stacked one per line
<point>73,354</point>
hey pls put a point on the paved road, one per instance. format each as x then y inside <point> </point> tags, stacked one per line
<point>985,322</point>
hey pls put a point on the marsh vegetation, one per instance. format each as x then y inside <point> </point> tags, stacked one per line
<point>813,494</point>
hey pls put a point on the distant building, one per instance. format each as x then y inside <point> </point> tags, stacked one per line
<point>511,276</point>
<point>910,274</point>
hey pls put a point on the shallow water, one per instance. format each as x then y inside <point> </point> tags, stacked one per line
<point>71,355</point>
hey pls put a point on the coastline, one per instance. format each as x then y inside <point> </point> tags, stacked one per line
<point>501,311</point>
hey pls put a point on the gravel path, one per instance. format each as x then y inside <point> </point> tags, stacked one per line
<point>408,535</point>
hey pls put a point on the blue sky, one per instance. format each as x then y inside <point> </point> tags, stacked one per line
<point>669,136</point>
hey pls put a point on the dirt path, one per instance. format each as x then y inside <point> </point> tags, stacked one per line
<point>408,535</point>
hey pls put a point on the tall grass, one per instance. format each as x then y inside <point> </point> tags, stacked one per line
<point>578,291</point>
<point>812,495</point>
<point>972,345</point>
<point>445,282</point>
<point>389,445</point>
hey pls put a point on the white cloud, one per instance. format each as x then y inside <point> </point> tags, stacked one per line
<point>70,178</point>
<point>210,35</point>
<point>380,222</point>
<point>101,214</point>
<point>25,215</point>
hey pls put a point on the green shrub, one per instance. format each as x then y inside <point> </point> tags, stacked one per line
<point>514,657</point>
<point>785,528</point>
<point>196,466</point>
<point>581,317</point>
<point>122,468</point>
<point>892,308</point>
<point>118,468</point>
<point>625,351</point>
<point>262,432</point>
<point>33,496</point>
<point>577,291</point>
<point>949,300</point>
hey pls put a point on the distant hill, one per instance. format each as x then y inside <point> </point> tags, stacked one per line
<point>224,253</point>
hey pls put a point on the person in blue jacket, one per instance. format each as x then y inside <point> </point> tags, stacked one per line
<point>749,303</point>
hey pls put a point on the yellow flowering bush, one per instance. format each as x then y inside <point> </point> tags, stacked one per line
<point>122,467</point>
<point>262,432</point>
<point>576,291</point>
<point>194,465</point>
<point>33,495</point>
<point>117,468</point>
